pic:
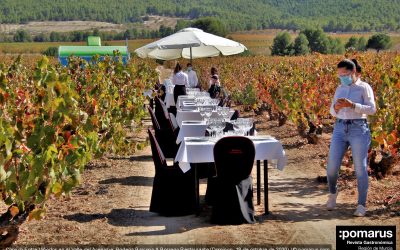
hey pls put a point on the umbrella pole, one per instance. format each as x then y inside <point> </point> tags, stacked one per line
<point>191,59</point>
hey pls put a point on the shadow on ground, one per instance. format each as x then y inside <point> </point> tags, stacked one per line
<point>130,181</point>
<point>143,218</point>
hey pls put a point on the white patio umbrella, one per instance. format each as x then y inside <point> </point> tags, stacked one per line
<point>190,43</point>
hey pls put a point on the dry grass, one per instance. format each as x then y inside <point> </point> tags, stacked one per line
<point>61,26</point>
<point>154,22</point>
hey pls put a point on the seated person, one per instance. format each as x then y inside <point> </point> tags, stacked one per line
<point>215,87</point>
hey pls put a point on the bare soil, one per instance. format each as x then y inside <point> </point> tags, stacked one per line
<point>153,23</point>
<point>61,26</point>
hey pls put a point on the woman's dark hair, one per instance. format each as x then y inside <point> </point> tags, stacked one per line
<point>358,66</point>
<point>177,68</point>
<point>347,64</point>
<point>188,65</point>
<point>214,71</point>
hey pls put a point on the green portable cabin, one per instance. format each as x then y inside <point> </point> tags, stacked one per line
<point>93,48</point>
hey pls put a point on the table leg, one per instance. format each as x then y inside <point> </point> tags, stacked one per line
<point>258,182</point>
<point>197,189</point>
<point>266,210</point>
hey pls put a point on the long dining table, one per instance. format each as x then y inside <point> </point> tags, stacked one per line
<point>194,150</point>
<point>194,115</point>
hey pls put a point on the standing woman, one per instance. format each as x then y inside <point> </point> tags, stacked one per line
<point>352,103</point>
<point>181,81</point>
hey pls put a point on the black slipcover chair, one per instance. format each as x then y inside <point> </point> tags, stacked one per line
<point>232,189</point>
<point>173,191</point>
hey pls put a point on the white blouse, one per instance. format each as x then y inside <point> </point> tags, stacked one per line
<point>361,94</point>
<point>180,78</point>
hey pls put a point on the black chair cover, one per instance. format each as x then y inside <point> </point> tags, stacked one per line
<point>165,136</point>
<point>161,113</point>
<point>233,190</point>
<point>173,191</point>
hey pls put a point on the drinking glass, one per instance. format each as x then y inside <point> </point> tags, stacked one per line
<point>209,128</point>
<point>220,126</point>
<point>208,112</point>
<point>237,127</point>
<point>202,113</point>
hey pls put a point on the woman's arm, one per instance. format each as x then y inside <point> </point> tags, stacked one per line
<point>369,106</point>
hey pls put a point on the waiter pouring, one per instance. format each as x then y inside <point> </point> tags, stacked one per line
<point>352,103</point>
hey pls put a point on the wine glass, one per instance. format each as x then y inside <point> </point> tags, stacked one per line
<point>247,125</point>
<point>219,111</point>
<point>250,123</point>
<point>202,113</point>
<point>226,113</point>
<point>220,126</point>
<point>202,101</point>
<point>208,112</point>
<point>242,123</point>
<point>211,126</point>
<point>215,102</point>
<point>237,127</point>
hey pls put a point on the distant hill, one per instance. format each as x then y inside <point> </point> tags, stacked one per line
<point>332,15</point>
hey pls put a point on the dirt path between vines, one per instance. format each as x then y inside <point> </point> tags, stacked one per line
<point>111,206</point>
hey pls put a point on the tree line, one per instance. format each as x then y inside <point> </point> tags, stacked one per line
<point>330,15</point>
<point>316,40</point>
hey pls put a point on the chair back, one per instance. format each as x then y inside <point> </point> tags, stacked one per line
<point>161,113</point>
<point>174,122</point>
<point>154,121</point>
<point>234,157</point>
<point>157,153</point>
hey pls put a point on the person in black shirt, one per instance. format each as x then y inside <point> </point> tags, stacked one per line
<point>215,87</point>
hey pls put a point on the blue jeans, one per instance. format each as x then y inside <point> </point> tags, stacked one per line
<point>357,135</point>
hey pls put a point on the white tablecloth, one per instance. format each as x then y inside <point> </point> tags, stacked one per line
<point>194,115</point>
<point>201,152</point>
<point>189,129</point>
